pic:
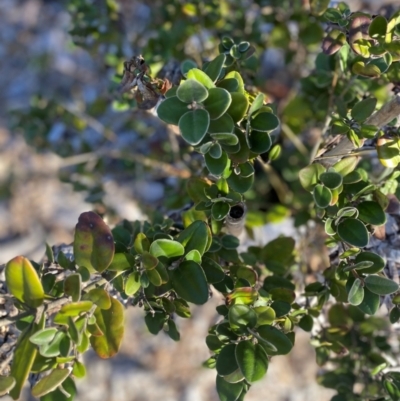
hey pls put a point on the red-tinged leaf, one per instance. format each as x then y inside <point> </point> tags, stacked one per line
<point>111,323</point>
<point>93,243</point>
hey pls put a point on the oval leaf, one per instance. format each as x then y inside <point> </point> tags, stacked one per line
<point>265,122</point>
<point>252,360</point>
<point>226,361</point>
<point>322,196</point>
<point>111,323</point>
<point>189,282</point>
<point>356,293</point>
<point>354,232</point>
<point>93,243</point>
<point>171,110</point>
<point>214,67</point>
<point>167,248</point>
<point>238,107</point>
<point>277,338</point>
<point>50,382</point>
<point>193,126</point>
<point>23,282</point>
<point>380,285</point>
<point>217,102</point>
<point>6,384</point>
<point>372,213</point>
<point>228,391</point>
<point>201,77</point>
<point>191,91</point>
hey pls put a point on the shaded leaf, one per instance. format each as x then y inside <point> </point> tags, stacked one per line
<point>93,243</point>
<point>252,360</point>
<point>189,282</point>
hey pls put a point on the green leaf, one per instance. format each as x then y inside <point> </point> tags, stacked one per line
<point>93,243</point>
<point>239,79</point>
<point>378,262</point>
<point>257,103</point>
<point>24,357</point>
<point>221,125</point>
<point>111,323</point>
<point>214,67</point>
<point>155,322</point>
<point>372,213</point>
<point>226,361</point>
<point>212,270</point>
<point>72,309</point>
<point>260,142</point>
<point>265,315</point>
<point>275,337</point>
<point>228,391</point>
<point>189,282</point>
<point>50,382</point>
<point>230,241</point>
<point>356,293</point>
<point>132,284</point>
<point>100,297</point>
<point>191,91</point>
<point>217,166</point>
<point>68,385</point>
<point>242,182</point>
<point>6,384</point>
<point>388,151</point>
<point>354,232</point>
<point>141,243</point>
<point>264,122</point>
<point>230,84</point>
<point>370,303</point>
<point>365,70</point>
<point>380,285</point>
<point>53,349</point>
<point>44,336</point>
<point>72,287</point>
<point>242,316</point>
<point>322,196</point>
<point>215,151</point>
<point>346,165</point>
<point>171,110</point>
<point>309,176</point>
<point>238,108</point>
<point>225,138</point>
<point>201,77</point>
<point>167,248</point>
<point>331,179</point>
<point>79,370</point>
<point>23,282</point>
<point>378,27</point>
<point>218,102</point>
<point>220,210</point>
<point>195,237</point>
<point>394,315</point>
<point>306,323</point>
<point>252,360</point>
<point>364,109</point>
<point>193,126</point>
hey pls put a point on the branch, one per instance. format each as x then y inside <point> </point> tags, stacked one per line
<point>344,146</point>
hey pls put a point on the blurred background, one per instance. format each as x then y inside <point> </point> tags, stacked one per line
<point>69,143</point>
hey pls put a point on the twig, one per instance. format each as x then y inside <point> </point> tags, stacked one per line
<point>380,118</point>
<point>131,156</point>
<point>50,306</point>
